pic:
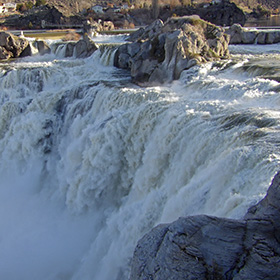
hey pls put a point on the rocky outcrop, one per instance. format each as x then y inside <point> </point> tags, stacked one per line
<point>203,247</point>
<point>81,49</point>
<point>97,26</point>
<point>160,52</point>
<point>34,17</point>
<point>240,35</point>
<point>42,47</point>
<point>85,47</point>
<point>224,13</point>
<point>12,46</point>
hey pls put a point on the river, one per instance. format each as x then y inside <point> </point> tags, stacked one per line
<point>90,162</point>
<point>270,21</point>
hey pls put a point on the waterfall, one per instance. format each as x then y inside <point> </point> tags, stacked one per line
<point>91,162</point>
<point>107,53</point>
<point>59,50</point>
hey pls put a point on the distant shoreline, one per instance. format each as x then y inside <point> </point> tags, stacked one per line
<point>60,33</point>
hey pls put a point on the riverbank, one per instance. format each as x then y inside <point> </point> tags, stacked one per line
<point>53,34</point>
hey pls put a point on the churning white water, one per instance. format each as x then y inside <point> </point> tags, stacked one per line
<point>91,162</point>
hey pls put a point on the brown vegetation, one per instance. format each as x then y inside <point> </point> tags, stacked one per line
<point>72,7</point>
<point>251,5</point>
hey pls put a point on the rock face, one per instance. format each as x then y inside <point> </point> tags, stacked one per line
<point>85,47</point>
<point>12,46</point>
<point>222,13</point>
<point>203,247</point>
<point>42,46</point>
<point>240,35</point>
<point>160,52</point>
<point>34,18</point>
<point>81,49</point>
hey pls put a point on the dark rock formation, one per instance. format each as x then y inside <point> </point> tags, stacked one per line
<point>12,46</point>
<point>85,47</point>
<point>81,49</point>
<point>42,46</point>
<point>34,18</point>
<point>223,14</point>
<point>203,247</point>
<point>160,52</point>
<point>240,35</point>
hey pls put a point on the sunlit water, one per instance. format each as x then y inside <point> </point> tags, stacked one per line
<point>91,162</point>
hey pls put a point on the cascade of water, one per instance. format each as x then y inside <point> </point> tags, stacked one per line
<point>107,53</point>
<point>123,159</point>
<point>59,50</point>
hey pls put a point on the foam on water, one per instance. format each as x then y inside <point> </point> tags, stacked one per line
<point>109,38</point>
<point>91,162</point>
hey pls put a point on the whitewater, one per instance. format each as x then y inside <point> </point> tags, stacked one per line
<point>90,162</point>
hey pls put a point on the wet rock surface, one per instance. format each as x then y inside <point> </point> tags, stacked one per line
<point>204,247</point>
<point>80,49</point>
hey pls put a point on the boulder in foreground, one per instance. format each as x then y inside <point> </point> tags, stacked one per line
<point>203,247</point>
<point>160,52</point>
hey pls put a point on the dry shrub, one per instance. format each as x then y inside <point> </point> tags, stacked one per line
<point>72,36</point>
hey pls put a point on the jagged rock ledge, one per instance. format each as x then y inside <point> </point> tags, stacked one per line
<point>160,52</point>
<point>241,35</point>
<point>204,247</point>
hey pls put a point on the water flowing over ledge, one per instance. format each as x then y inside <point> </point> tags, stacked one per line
<point>204,247</point>
<point>91,162</point>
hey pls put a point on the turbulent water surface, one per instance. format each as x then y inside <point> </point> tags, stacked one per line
<point>91,162</point>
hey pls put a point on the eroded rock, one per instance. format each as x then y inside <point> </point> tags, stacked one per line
<point>12,46</point>
<point>160,52</point>
<point>80,49</point>
<point>85,47</point>
<point>42,46</point>
<point>241,35</point>
<point>203,247</point>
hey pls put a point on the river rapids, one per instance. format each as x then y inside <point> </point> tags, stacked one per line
<point>90,162</point>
